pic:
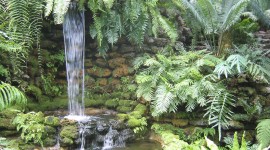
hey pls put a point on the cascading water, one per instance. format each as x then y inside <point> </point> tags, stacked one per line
<point>74,38</point>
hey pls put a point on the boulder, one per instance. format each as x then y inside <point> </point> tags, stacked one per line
<point>120,71</point>
<point>117,62</point>
<point>101,62</point>
<point>180,122</point>
<point>52,121</point>
<point>99,72</point>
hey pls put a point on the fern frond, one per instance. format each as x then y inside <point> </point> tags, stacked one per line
<point>233,15</point>
<point>263,132</point>
<point>164,98</point>
<point>10,95</point>
<point>219,112</point>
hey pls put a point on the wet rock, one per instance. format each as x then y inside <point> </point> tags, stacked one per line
<point>100,138</point>
<point>6,133</point>
<point>102,127</point>
<point>52,121</point>
<point>49,141</point>
<point>117,62</point>
<point>117,125</point>
<point>199,122</point>
<point>127,135</point>
<point>180,122</point>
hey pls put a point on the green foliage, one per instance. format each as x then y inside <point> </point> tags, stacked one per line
<point>10,95</point>
<point>214,17</point>
<point>259,10</point>
<point>184,79</point>
<point>59,9</point>
<point>263,133</point>
<point>171,141</point>
<point>245,30</point>
<point>246,60</point>
<point>31,126</point>
<point>112,19</point>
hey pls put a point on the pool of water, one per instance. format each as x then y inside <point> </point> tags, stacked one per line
<point>141,145</point>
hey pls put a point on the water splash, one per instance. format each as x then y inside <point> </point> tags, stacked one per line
<point>74,38</point>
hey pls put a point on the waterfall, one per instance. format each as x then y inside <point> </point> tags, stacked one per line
<point>74,38</point>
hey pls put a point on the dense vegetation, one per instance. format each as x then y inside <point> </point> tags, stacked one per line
<point>171,80</point>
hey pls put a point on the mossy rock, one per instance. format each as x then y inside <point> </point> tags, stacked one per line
<point>180,122</point>
<point>34,91</point>
<point>136,114</point>
<point>49,141</point>
<point>122,117</point>
<point>6,133</point>
<point>111,103</point>
<point>94,103</point>
<point>133,122</point>
<point>141,108</point>
<point>52,121</point>
<point>56,103</point>
<point>50,130</point>
<point>123,109</point>
<point>9,113</point>
<point>125,103</point>
<point>70,132</point>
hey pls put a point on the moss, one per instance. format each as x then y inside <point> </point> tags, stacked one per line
<point>9,113</point>
<point>49,141</point>
<point>94,103</point>
<point>136,114</point>
<point>6,123</point>
<point>133,122</point>
<point>125,102</point>
<point>50,130</point>
<point>123,109</point>
<point>141,108</point>
<point>111,103</point>
<point>67,141</point>
<point>56,103</point>
<point>70,132</point>
<point>122,117</point>
<point>35,91</point>
<point>52,121</point>
<point>180,122</point>
<point>6,133</point>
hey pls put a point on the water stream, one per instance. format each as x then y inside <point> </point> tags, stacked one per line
<point>74,38</point>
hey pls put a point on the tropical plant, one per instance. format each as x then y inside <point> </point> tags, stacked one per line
<point>112,19</point>
<point>263,133</point>
<point>10,95</point>
<point>246,60</point>
<point>215,18</point>
<point>32,126</point>
<point>259,10</point>
<point>184,79</point>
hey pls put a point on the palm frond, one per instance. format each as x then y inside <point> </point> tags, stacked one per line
<point>10,95</point>
<point>263,133</point>
<point>233,15</point>
<point>164,98</point>
<point>218,111</point>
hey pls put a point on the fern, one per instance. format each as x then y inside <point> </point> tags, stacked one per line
<point>263,133</point>
<point>10,95</point>
<point>59,9</point>
<point>219,112</point>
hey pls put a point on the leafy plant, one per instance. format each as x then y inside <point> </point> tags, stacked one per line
<point>215,18</point>
<point>246,60</point>
<point>184,79</point>
<point>32,126</point>
<point>10,95</point>
<point>263,133</point>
